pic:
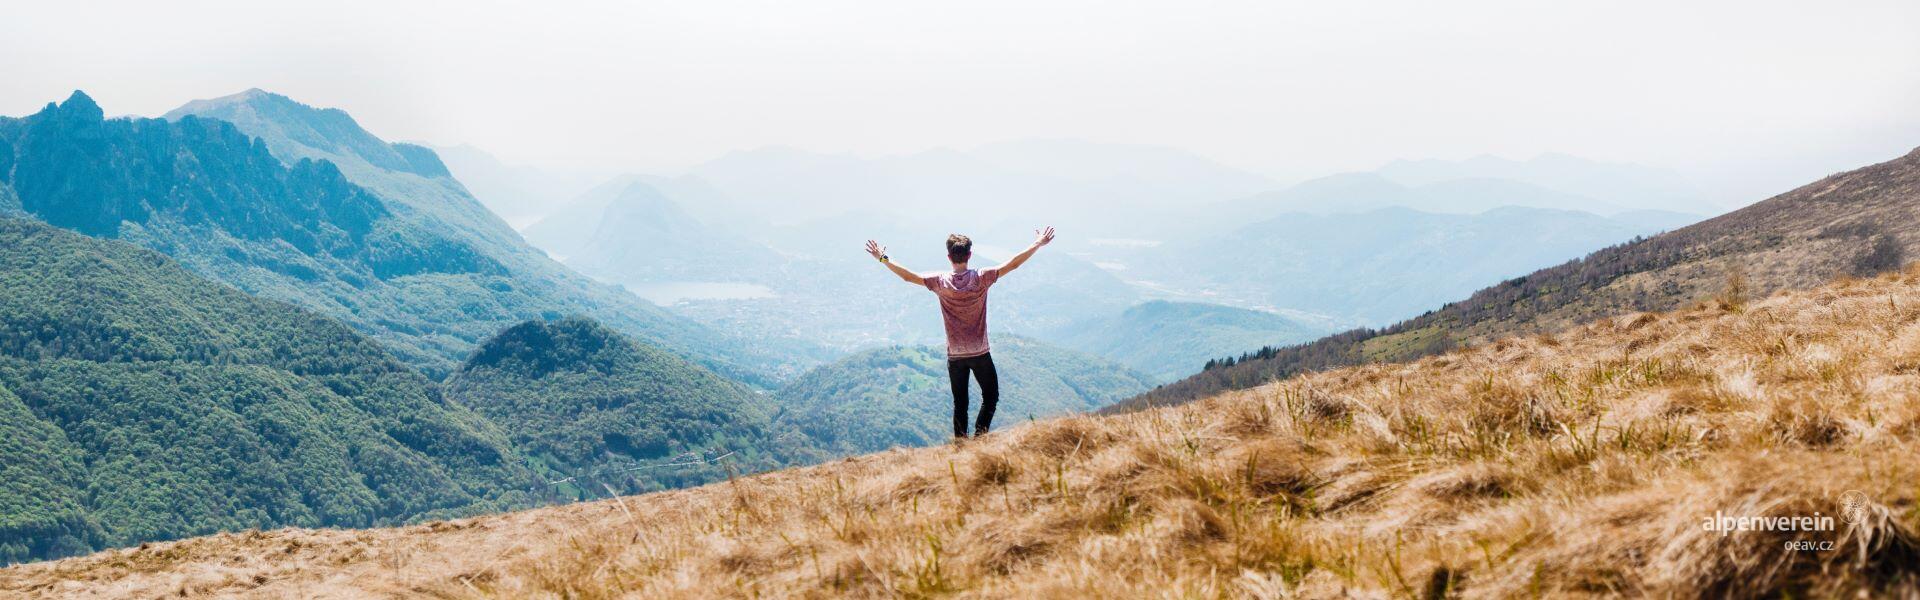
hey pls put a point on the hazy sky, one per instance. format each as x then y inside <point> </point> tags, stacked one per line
<point>1737,91</point>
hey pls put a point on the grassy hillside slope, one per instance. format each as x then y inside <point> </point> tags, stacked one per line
<point>1855,223</point>
<point>1580,463</point>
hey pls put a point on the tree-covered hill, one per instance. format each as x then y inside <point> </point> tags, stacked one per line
<point>299,204</point>
<point>585,402</point>
<point>140,402</point>
<point>899,396</point>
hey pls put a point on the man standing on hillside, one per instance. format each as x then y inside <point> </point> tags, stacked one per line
<point>963,303</point>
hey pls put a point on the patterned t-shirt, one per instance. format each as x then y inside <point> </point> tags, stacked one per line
<point>963,304</point>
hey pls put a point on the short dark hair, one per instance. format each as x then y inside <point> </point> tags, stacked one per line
<point>959,248</point>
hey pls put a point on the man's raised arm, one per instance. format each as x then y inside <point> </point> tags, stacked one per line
<point>879,253</point>
<point>1041,237</point>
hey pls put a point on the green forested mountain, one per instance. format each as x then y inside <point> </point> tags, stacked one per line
<point>141,402</point>
<point>895,396</point>
<point>1170,340</point>
<point>583,401</point>
<point>299,204</point>
<point>43,500</point>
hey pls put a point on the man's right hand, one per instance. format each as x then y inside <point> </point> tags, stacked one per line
<point>878,251</point>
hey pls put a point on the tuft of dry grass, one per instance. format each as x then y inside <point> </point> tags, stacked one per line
<point>1585,462</point>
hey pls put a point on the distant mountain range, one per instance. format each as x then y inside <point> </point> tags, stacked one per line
<point>519,194</point>
<point>803,198</point>
<point>1353,248</point>
<point>1375,266</point>
<point>628,231</point>
<point>1608,187</point>
<point>643,236</point>
<point>568,226</point>
<point>1365,192</point>
<point>1855,223</point>
<point>785,196</point>
<point>1170,340</point>
<point>851,304</point>
<point>638,231</point>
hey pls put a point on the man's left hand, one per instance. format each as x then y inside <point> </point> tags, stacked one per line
<point>1043,236</point>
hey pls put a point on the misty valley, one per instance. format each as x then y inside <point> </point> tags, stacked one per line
<point>252,314</point>
<point>1246,257</point>
<point>637,322</point>
<point>1250,300</point>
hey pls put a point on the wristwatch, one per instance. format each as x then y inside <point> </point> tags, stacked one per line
<point>883,258</point>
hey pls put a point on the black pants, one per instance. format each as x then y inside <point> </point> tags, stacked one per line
<point>982,368</point>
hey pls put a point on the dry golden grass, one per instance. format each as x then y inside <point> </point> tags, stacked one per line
<point>1581,463</point>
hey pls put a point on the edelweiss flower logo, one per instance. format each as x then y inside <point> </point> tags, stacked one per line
<point>1854,506</point>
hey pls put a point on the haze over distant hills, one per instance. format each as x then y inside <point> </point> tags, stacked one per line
<point>1622,186</point>
<point>850,304</point>
<point>1855,223</point>
<point>519,194</point>
<point>644,236</point>
<point>628,231</point>
<point>1364,192</point>
<point>752,243</point>
<point>1132,169</point>
<point>567,228</point>
<point>1170,340</point>
<point>1550,181</point>
<point>1101,187</point>
<point>1343,249</point>
<point>1377,266</point>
